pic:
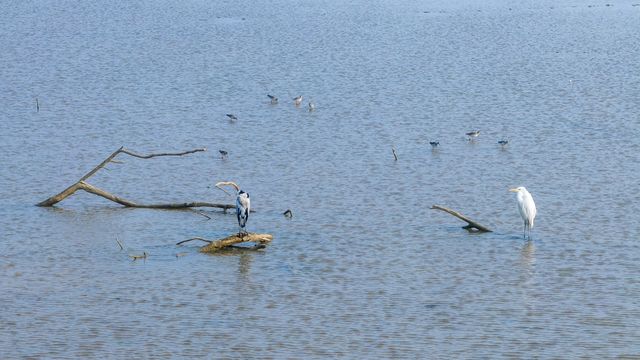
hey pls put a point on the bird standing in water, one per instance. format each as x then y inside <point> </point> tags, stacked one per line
<point>232,117</point>
<point>274,100</point>
<point>473,134</point>
<point>243,206</point>
<point>297,100</point>
<point>526,207</point>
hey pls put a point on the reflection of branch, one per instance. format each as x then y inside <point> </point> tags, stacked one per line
<point>82,185</point>
<point>471,224</point>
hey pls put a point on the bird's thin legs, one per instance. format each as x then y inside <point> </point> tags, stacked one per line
<point>527,230</point>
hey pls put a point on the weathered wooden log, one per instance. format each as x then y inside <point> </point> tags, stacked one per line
<point>216,245</point>
<point>83,185</point>
<point>471,225</point>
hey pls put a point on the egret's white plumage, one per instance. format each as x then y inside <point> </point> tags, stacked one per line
<point>526,207</point>
<point>243,204</point>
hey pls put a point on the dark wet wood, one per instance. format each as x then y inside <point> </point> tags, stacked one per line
<point>471,225</point>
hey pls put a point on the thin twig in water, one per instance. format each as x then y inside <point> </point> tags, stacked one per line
<point>119,243</point>
<point>394,153</point>
<point>203,214</point>
<point>225,191</point>
<point>194,238</point>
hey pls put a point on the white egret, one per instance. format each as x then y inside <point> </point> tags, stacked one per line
<point>526,207</point>
<point>243,205</point>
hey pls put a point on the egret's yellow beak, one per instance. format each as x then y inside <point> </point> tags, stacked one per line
<point>513,190</point>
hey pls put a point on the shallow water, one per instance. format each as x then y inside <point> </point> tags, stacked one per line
<point>364,269</point>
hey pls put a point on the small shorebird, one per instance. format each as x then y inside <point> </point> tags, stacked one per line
<point>434,144</point>
<point>312,106</point>
<point>288,214</point>
<point>223,154</point>
<point>503,143</point>
<point>473,134</point>
<point>232,117</point>
<point>297,100</point>
<point>274,100</point>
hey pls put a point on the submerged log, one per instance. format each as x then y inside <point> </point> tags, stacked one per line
<point>216,245</point>
<point>83,185</point>
<point>471,225</point>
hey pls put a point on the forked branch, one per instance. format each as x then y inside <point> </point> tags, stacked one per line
<point>83,185</point>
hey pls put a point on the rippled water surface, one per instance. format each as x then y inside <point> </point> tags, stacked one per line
<point>364,269</point>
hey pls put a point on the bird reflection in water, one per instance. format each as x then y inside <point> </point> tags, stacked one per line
<point>527,262</point>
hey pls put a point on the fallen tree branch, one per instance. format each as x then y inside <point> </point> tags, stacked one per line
<point>129,152</point>
<point>83,185</point>
<point>471,225</point>
<point>215,245</point>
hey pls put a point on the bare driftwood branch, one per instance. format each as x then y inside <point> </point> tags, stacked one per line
<point>215,245</point>
<point>136,257</point>
<point>471,225</point>
<point>129,152</point>
<point>83,185</point>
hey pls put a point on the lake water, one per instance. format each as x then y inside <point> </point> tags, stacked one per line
<point>364,269</point>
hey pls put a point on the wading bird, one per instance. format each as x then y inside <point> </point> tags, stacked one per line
<point>473,134</point>
<point>526,207</point>
<point>297,100</point>
<point>223,154</point>
<point>232,117</point>
<point>312,106</point>
<point>274,100</point>
<point>503,143</point>
<point>434,144</point>
<point>243,205</point>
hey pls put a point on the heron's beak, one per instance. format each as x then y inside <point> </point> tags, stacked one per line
<point>513,190</point>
